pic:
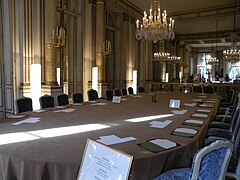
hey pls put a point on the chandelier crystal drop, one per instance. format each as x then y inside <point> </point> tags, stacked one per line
<point>155,27</point>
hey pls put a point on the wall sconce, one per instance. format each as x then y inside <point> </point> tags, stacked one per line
<point>107,49</point>
<point>58,37</point>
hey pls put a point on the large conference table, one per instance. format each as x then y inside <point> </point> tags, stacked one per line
<point>52,149</point>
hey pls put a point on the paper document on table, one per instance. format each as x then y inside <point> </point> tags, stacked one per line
<point>59,107</point>
<point>99,104</point>
<point>28,120</point>
<point>204,110</point>
<point>158,124</point>
<point>39,110</point>
<point>200,115</point>
<point>211,101</point>
<point>190,104</point>
<point>207,105</point>
<point>137,96</point>
<point>16,116</point>
<point>68,110</point>
<point>202,96</point>
<point>77,104</point>
<point>197,100</point>
<point>179,112</point>
<point>164,143</point>
<point>113,139</point>
<point>192,121</point>
<point>186,130</point>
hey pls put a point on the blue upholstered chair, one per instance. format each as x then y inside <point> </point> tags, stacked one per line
<point>77,97</point>
<point>209,163</point>
<point>62,99</point>
<point>46,101</point>
<point>24,104</point>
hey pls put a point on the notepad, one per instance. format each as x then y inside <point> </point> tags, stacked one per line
<point>200,115</point>
<point>16,116</point>
<point>59,107</point>
<point>77,104</point>
<point>164,143</point>
<point>193,122</point>
<point>197,100</point>
<point>68,110</point>
<point>179,112</point>
<point>211,101</point>
<point>185,132</point>
<point>158,145</point>
<point>207,105</point>
<point>204,110</point>
<point>190,104</point>
<point>99,104</point>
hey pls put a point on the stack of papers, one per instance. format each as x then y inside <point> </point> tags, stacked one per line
<point>190,104</point>
<point>179,112</point>
<point>200,115</point>
<point>193,122</point>
<point>185,132</point>
<point>158,124</point>
<point>113,139</point>
<point>202,96</point>
<point>30,120</point>
<point>204,110</point>
<point>68,110</point>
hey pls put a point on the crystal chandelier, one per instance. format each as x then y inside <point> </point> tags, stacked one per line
<point>233,55</point>
<point>161,56</point>
<point>212,61</point>
<point>155,26</point>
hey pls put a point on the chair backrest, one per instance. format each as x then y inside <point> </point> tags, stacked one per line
<point>109,94</point>
<point>62,99</point>
<point>130,90</point>
<point>77,97</point>
<point>197,89</point>
<point>141,89</point>
<point>46,101</point>
<point>24,104</point>
<point>208,89</point>
<point>211,162</point>
<point>117,92</point>
<point>236,149</point>
<point>92,95</point>
<point>236,128</point>
<point>124,91</point>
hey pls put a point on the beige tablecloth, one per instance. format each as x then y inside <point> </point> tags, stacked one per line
<point>58,157</point>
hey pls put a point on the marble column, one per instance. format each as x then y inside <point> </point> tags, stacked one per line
<point>100,38</point>
<point>51,87</point>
